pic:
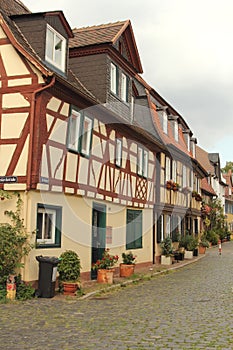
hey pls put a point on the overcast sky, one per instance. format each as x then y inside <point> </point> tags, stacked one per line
<point>186,51</point>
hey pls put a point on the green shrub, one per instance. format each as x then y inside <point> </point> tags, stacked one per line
<point>14,244</point>
<point>23,291</point>
<point>166,246</point>
<point>188,242</point>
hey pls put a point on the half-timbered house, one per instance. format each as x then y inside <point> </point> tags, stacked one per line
<point>84,164</point>
<point>89,145</point>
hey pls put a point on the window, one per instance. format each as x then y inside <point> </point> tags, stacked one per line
<point>74,130</point>
<point>48,231</point>
<point>184,178</point>
<point>174,171</point>
<point>142,162</point>
<point>124,87</point>
<point>119,83</point>
<point>55,51</point>
<point>168,225</point>
<point>176,131</point>
<point>79,133</point>
<point>167,169</point>
<point>134,229</point>
<point>114,79</point>
<point>164,118</point>
<point>86,135</point>
<point>118,158</point>
<point>160,229</point>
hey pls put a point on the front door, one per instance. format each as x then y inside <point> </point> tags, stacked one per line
<point>98,234</point>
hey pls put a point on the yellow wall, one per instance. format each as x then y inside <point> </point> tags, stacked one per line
<point>77,229</point>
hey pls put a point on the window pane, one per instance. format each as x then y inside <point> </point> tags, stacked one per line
<point>49,44</point>
<point>58,50</point>
<point>113,79</point>
<point>39,225</point>
<point>123,87</point>
<point>86,135</point>
<point>168,169</point>
<point>74,130</point>
<point>55,51</point>
<point>48,226</point>
<point>140,160</point>
<point>145,164</point>
<point>165,122</point>
<point>118,152</point>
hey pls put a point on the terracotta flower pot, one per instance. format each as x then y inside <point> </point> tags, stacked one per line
<point>69,288</point>
<point>202,249</point>
<point>105,276</point>
<point>126,270</point>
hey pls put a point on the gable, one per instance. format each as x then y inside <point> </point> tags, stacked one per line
<point>117,35</point>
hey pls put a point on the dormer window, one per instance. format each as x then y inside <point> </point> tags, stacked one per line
<point>187,138</point>
<point>124,87</point>
<point>193,142</point>
<point>176,131</point>
<point>175,127</point>
<point>55,51</point>
<point>164,116</point>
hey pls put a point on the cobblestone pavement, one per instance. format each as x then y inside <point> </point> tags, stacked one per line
<point>188,308</point>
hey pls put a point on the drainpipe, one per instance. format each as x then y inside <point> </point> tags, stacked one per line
<point>32,119</point>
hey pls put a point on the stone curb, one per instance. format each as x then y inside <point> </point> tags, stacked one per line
<point>130,281</point>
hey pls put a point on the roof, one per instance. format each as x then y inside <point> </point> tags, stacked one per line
<point>168,138</point>
<point>98,34</point>
<point>203,158</point>
<point>205,186</point>
<point>13,7</point>
<point>108,34</point>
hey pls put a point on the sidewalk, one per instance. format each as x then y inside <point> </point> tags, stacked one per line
<point>91,288</point>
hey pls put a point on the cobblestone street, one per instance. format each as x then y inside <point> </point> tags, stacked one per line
<point>189,308</point>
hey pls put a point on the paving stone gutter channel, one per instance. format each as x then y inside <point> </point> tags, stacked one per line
<point>121,282</point>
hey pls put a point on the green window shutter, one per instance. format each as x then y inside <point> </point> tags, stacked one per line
<point>159,228</point>
<point>134,229</point>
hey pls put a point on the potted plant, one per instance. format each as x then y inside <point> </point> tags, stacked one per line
<point>189,243</point>
<point>169,184</point>
<point>176,186</point>
<point>69,271</point>
<point>203,244</point>
<point>166,251</point>
<point>104,267</point>
<point>128,265</point>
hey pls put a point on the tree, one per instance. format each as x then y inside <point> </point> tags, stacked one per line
<point>14,240</point>
<point>228,166</point>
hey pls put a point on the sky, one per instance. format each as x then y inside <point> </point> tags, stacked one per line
<point>186,52</point>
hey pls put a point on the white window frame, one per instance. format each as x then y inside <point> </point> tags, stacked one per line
<point>165,121</point>
<point>124,87</point>
<point>184,176</point>
<point>162,228</point>
<point>167,169</point>
<point>113,78</point>
<point>74,130</point>
<point>142,166</point>
<point>176,131</point>
<point>62,47</point>
<point>118,158</point>
<point>168,226</point>
<point>145,163</point>
<point>140,161</point>
<point>174,170</point>
<point>87,126</point>
<point>44,212</point>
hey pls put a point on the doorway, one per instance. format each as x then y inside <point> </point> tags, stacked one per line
<point>98,234</point>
